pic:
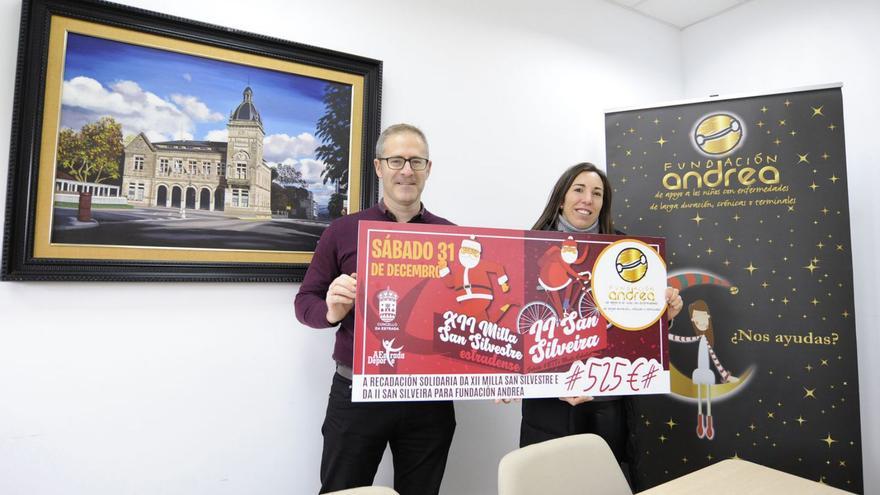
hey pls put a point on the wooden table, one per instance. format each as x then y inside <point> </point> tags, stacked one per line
<point>739,477</point>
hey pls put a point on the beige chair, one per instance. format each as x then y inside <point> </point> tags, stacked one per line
<point>366,490</point>
<point>577,464</point>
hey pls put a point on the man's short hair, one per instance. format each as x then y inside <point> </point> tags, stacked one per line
<point>399,129</point>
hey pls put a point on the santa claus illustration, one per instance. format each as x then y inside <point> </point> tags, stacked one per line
<point>555,273</point>
<point>474,280</point>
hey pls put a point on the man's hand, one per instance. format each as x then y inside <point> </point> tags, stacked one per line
<point>340,297</point>
<point>576,400</point>
<point>674,302</point>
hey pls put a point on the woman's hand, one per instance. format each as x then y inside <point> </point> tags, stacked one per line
<point>674,303</point>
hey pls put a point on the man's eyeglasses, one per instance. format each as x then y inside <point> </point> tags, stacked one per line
<point>398,162</point>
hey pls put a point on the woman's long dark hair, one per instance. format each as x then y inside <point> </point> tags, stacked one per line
<point>547,220</point>
<point>700,305</point>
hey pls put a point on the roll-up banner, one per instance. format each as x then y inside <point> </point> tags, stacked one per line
<point>751,195</point>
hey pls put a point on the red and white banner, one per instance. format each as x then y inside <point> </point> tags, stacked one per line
<point>458,313</point>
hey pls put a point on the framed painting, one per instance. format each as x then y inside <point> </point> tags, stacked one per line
<point>152,148</point>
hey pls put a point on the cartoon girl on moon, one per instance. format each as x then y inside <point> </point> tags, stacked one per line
<point>703,377</point>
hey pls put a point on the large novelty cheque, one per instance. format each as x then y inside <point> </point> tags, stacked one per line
<point>448,312</point>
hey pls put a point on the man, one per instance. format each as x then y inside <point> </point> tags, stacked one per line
<point>355,434</point>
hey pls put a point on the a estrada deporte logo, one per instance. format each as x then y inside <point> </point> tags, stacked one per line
<point>632,265</point>
<point>718,133</point>
<point>389,356</point>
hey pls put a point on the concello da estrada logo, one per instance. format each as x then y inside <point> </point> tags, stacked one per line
<point>387,305</point>
<point>718,134</point>
<point>631,264</point>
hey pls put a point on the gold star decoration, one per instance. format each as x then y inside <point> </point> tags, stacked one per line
<point>834,179</point>
<point>809,392</point>
<point>671,423</point>
<point>764,109</point>
<point>817,111</point>
<point>782,123</point>
<point>736,217</point>
<point>751,268</point>
<point>832,126</point>
<point>777,142</point>
<point>813,186</point>
<point>760,123</point>
<point>662,438</point>
<point>825,156</point>
<point>829,440</point>
<point>811,267</point>
<point>803,158</point>
<point>698,218</point>
<point>661,141</point>
<point>801,420</point>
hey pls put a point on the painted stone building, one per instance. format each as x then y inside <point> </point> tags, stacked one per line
<point>203,175</point>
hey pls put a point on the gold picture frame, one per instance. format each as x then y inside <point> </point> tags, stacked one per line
<point>108,180</point>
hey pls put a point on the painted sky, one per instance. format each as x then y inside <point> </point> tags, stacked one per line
<point>169,95</point>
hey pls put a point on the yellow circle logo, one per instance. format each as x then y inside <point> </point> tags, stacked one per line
<point>718,134</point>
<point>631,265</point>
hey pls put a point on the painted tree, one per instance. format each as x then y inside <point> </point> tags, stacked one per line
<point>287,175</point>
<point>94,153</point>
<point>334,129</point>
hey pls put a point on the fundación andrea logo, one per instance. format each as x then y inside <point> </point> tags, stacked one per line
<point>629,283</point>
<point>632,265</point>
<point>718,134</point>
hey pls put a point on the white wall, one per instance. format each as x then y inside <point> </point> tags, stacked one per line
<point>171,388</point>
<point>768,45</point>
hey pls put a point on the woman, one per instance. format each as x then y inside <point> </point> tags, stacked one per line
<point>581,203</point>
